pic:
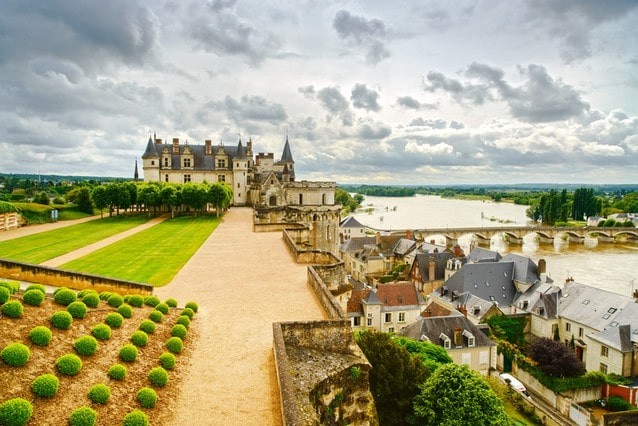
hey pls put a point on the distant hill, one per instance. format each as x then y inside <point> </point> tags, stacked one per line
<point>59,178</point>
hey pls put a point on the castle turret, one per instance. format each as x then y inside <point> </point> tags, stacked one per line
<point>151,162</point>
<point>240,175</point>
<point>286,158</point>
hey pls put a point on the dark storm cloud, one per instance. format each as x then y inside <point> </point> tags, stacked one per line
<point>365,98</point>
<point>369,34</point>
<point>255,108</point>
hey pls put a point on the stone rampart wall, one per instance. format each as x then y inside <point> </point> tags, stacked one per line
<point>620,419</point>
<point>327,300</point>
<point>75,280</point>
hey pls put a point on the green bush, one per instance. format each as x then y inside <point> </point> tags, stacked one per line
<point>158,377</point>
<point>171,303</point>
<point>136,300</point>
<point>12,286</point>
<point>117,372</point>
<point>147,326</point>
<point>136,418</point>
<point>188,312</point>
<point>125,310</point>
<point>183,320</point>
<point>40,335</point>
<point>65,296</point>
<point>155,316</point>
<point>13,309</point>
<point>69,364</point>
<point>151,301</point>
<point>128,353</point>
<point>617,403</point>
<point>83,416</point>
<point>38,287</point>
<point>139,338</point>
<point>15,354</point>
<point>191,305</point>
<point>45,386</point>
<point>15,412</point>
<point>167,360</point>
<point>92,300</point>
<point>61,320</point>
<point>114,319</point>
<point>100,393</point>
<point>175,345</point>
<point>77,309</point>
<point>162,307</point>
<point>5,294</point>
<point>147,397</point>
<point>115,300</point>
<point>101,332</point>
<point>85,345</point>
<point>179,330</point>
<point>105,295</point>
<point>33,297</point>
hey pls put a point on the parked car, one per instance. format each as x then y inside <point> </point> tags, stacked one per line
<point>515,384</point>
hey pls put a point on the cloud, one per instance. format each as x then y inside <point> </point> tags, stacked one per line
<point>409,102</point>
<point>365,98</point>
<point>367,129</point>
<point>307,91</point>
<point>336,104</point>
<point>475,94</point>
<point>441,148</point>
<point>433,124</point>
<point>361,32</point>
<point>256,108</point>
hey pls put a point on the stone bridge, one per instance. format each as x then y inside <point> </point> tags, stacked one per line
<point>515,234</point>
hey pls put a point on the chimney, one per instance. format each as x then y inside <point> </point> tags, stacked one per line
<point>408,235</point>
<point>209,148</point>
<point>378,238</point>
<point>431,270</point>
<point>432,242</point>
<point>175,145</point>
<point>458,336</point>
<point>462,309</point>
<point>158,141</point>
<point>249,147</point>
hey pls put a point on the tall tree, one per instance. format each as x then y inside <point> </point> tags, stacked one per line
<point>554,358</point>
<point>99,195</point>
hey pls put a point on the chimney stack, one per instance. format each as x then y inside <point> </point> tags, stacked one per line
<point>378,238</point>
<point>209,148</point>
<point>175,145</point>
<point>408,235</point>
<point>431,270</point>
<point>542,266</point>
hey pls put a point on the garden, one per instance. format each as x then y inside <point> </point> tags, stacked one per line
<point>83,358</point>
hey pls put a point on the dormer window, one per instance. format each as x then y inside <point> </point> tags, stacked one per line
<point>470,338</point>
<point>221,163</point>
<point>165,161</point>
<point>447,342</point>
<point>187,162</point>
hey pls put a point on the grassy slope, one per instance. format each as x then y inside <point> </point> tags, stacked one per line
<point>152,256</point>
<point>47,245</point>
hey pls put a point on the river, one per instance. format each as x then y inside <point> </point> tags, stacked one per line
<point>609,266</point>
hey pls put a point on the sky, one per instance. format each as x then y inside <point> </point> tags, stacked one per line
<point>377,92</point>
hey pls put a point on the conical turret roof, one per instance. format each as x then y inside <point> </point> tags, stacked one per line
<point>286,156</point>
<point>150,152</point>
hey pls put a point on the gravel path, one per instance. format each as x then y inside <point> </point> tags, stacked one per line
<point>243,282</point>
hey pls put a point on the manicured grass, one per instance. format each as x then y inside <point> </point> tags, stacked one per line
<point>152,256</point>
<point>47,245</point>
<point>68,214</point>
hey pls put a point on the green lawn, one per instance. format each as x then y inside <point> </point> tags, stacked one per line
<point>46,245</point>
<point>152,256</point>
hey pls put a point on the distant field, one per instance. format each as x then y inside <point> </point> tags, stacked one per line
<point>46,245</point>
<point>152,256</point>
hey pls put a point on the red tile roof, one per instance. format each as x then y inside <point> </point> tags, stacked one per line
<point>397,294</point>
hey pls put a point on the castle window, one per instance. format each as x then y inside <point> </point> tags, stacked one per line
<point>187,162</point>
<point>187,178</point>
<point>603,368</point>
<point>604,351</point>
<point>238,185</point>
<point>221,178</point>
<point>221,163</point>
<point>152,162</point>
<point>165,161</point>
<point>323,198</point>
<point>273,200</point>
<point>165,178</point>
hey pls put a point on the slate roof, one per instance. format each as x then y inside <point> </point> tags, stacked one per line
<point>355,244</point>
<point>591,306</point>
<point>434,326</point>
<point>286,155</point>
<point>440,261</point>
<point>404,246</point>
<point>525,270</point>
<point>200,159</point>
<point>350,222</point>
<point>479,254</point>
<point>150,151</point>
<point>490,281</point>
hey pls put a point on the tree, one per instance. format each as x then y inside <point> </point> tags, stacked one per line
<point>395,376</point>
<point>218,196</point>
<point>149,196</point>
<point>99,195</point>
<point>42,198</point>
<point>456,395</point>
<point>169,198</point>
<point>508,328</point>
<point>83,200</point>
<point>554,358</point>
<point>195,195</point>
<point>432,356</point>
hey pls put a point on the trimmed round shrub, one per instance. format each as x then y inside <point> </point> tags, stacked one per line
<point>175,345</point>
<point>38,287</point>
<point>5,294</point>
<point>128,353</point>
<point>85,345</point>
<point>172,303</point>
<point>100,393</point>
<point>139,338</point>
<point>83,416</point>
<point>105,295</point>
<point>101,332</point>
<point>125,310</point>
<point>162,307</point>
<point>191,305</point>
<point>69,364</point>
<point>151,301</point>
<point>136,300</point>
<point>115,300</point>
<point>167,360</point>
<point>59,289</point>
<point>61,320</point>
<point>188,312</point>
<point>117,372</point>
<point>147,326</point>
<point>45,386</point>
<point>40,335</point>
<point>135,418</point>
<point>65,296</point>
<point>15,412</point>
<point>155,316</point>
<point>147,397</point>
<point>183,320</point>
<point>92,300</point>
<point>13,309</point>
<point>77,309</point>
<point>179,330</point>
<point>33,297</point>
<point>83,293</point>
<point>12,286</point>
<point>158,377</point>
<point>114,320</point>
<point>15,354</point>
<point>126,297</point>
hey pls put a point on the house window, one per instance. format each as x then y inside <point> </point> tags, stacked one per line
<point>466,358</point>
<point>447,344</point>
<point>187,162</point>
<point>221,164</point>
<point>391,330</point>
<point>604,351</point>
<point>187,178</point>
<point>388,317</point>
<point>568,326</point>
<point>484,357</point>
<point>581,332</point>
<point>165,162</point>
<point>369,322</point>
<point>356,321</point>
<point>300,199</point>
<point>221,178</point>
<point>165,178</point>
<point>401,316</point>
<point>237,184</point>
<point>603,368</point>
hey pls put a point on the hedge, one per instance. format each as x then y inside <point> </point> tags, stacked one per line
<point>155,316</point>
<point>13,309</point>
<point>188,312</point>
<point>162,307</point>
<point>15,354</point>
<point>183,320</point>
<point>83,416</point>
<point>147,326</point>
<point>12,286</point>
<point>139,338</point>
<point>171,303</point>
<point>5,294</point>
<point>136,300</point>
<point>46,385</point>
<point>175,345</point>
<point>38,287</point>
<point>179,330</point>
<point>191,305</point>
<point>40,335</point>
<point>125,310</point>
<point>151,301</point>
<point>167,360</point>
<point>15,412</point>
<point>92,300</point>
<point>33,297</point>
<point>115,300</point>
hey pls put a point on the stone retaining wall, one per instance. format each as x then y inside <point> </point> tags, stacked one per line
<point>76,280</point>
<point>327,300</point>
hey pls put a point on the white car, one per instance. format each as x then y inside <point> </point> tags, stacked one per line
<point>515,384</point>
